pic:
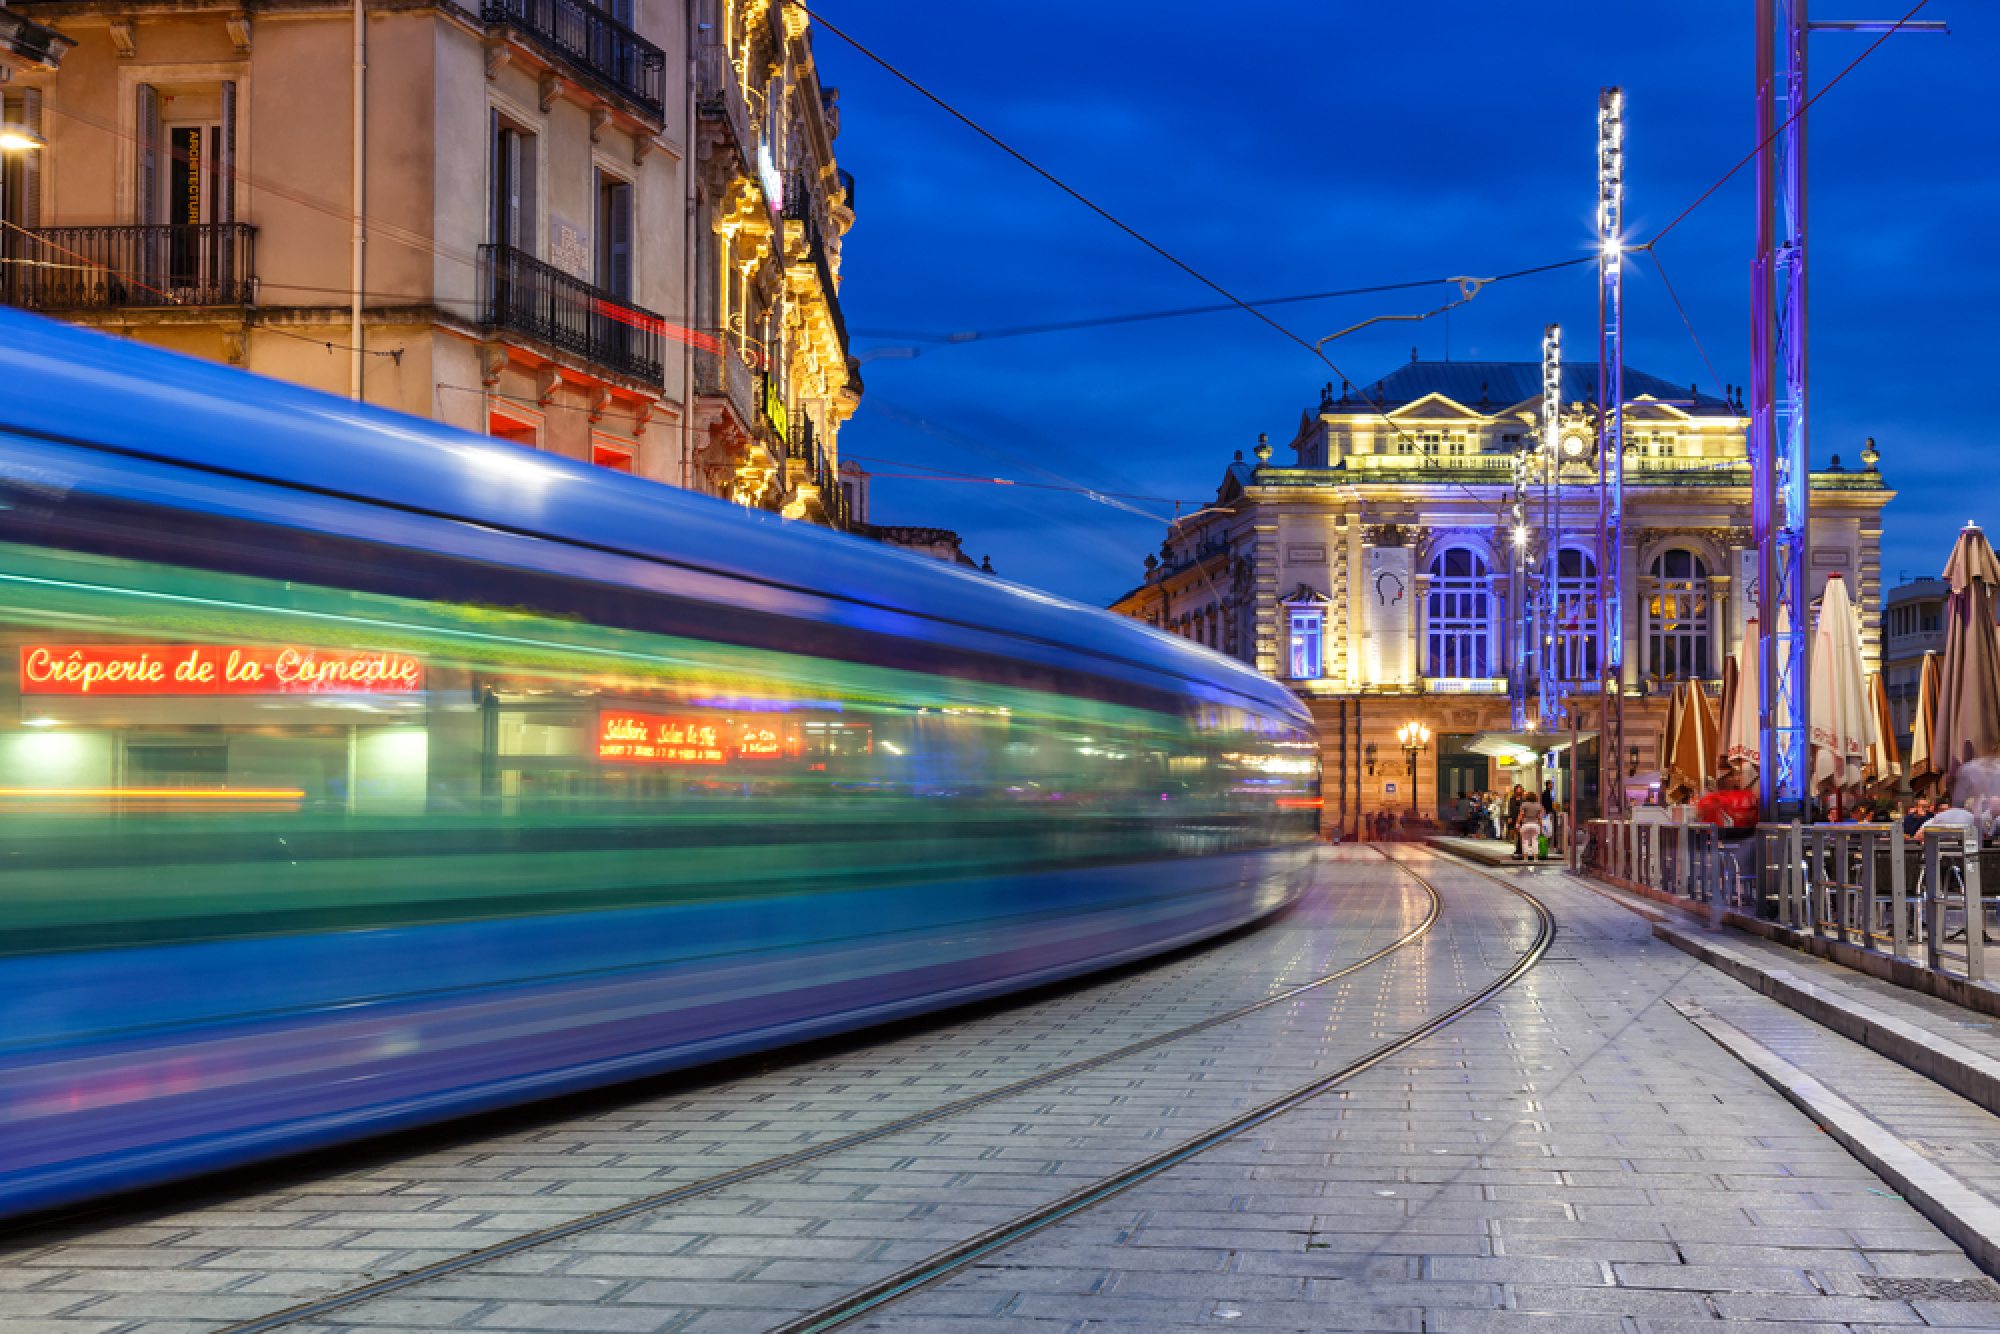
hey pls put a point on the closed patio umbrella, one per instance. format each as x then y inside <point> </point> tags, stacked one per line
<point>1925,770</point>
<point>1968,703</point>
<point>1843,725</point>
<point>1725,715</point>
<point>1670,740</point>
<point>1885,760</point>
<point>1693,758</point>
<point>1742,730</point>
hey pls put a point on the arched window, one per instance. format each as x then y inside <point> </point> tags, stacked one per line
<point>1576,617</point>
<point>1460,616</point>
<point>1677,617</point>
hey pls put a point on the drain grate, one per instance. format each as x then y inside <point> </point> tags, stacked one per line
<point>1932,1289</point>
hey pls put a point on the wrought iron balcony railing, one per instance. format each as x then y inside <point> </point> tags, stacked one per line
<point>521,293</point>
<point>802,210</point>
<point>719,92</point>
<point>592,43</point>
<point>120,268</point>
<point>720,373</point>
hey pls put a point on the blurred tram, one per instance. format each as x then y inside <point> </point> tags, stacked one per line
<point>356,772</point>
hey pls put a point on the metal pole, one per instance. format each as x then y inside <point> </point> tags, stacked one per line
<point>358,260</point>
<point>1611,420</point>
<point>1547,664</point>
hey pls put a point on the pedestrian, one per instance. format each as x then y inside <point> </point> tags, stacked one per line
<point>1550,809</point>
<point>1528,831</point>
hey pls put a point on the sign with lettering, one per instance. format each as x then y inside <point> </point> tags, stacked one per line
<point>650,738</point>
<point>760,741</point>
<point>213,669</point>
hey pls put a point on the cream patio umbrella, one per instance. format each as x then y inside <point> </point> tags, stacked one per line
<point>1742,728</point>
<point>1968,701</point>
<point>1925,770</point>
<point>1842,724</point>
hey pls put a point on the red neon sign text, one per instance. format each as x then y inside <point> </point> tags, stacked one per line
<point>209,669</point>
<point>649,738</point>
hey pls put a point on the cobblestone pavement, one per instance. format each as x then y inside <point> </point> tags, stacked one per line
<point>185,1271</point>
<point>1575,1155</point>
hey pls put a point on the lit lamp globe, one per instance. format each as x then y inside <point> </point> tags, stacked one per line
<point>19,139</point>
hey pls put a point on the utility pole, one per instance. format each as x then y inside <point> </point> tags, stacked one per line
<point>1611,445</point>
<point>1780,443</point>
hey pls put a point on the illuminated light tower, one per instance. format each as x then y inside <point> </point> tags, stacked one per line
<point>1550,694</point>
<point>1520,602</point>
<point>1780,444</point>
<point>1611,440</point>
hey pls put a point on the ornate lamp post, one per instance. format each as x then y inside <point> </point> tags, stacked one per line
<point>1414,737</point>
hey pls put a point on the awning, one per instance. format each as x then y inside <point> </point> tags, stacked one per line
<point>1524,747</point>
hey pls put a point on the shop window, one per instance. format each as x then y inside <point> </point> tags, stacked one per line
<point>607,454</point>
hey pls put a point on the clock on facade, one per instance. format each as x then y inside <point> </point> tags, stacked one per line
<point>1573,446</point>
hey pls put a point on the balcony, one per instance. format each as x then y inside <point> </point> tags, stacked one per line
<point>721,374</point>
<point>69,269</point>
<point>799,209</point>
<point>591,43</point>
<point>718,92</point>
<point>524,295</point>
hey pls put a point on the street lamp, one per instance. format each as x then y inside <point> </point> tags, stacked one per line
<point>19,139</point>
<point>1414,737</point>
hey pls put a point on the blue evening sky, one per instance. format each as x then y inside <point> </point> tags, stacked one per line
<point>1291,148</point>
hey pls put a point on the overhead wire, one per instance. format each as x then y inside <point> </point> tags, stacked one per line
<point>1235,301</point>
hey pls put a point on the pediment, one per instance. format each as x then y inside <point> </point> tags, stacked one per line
<point>1436,407</point>
<point>1646,408</point>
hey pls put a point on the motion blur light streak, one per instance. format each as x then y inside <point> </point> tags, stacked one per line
<point>599,816</point>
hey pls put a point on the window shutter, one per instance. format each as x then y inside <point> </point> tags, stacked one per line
<point>224,207</point>
<point>524,192</point>
<point>622,11</point>
<point>615,226</point>
<point>147,129</point>
<point>31,161</point>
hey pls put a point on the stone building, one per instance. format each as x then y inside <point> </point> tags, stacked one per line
<point>1912,625</point>
<point>1373,569</point>
<point>540,256</point>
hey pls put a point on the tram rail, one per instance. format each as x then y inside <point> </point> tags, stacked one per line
<point>944,1263</point>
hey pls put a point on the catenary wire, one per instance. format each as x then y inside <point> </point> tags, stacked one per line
<point>1751,157</point>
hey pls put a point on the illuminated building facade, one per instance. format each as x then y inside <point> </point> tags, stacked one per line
<point>605,230</point>
<point>1374,569</point>
<point>773,380</point>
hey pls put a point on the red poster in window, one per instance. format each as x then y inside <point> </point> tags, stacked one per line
<point>651,738</point>
<point>213,669</point>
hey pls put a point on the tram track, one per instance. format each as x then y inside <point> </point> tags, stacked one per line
<point>944,1264</point>
<point>458,1264</point>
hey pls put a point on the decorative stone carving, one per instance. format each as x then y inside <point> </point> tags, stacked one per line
<point>497,56</point>
<point>239,32</point>
<point>551,88</point>
<point>599,118</point>
<point>124,38</point>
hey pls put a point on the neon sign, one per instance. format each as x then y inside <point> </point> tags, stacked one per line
<point>649,738</point>
<point>760,743</point>
<point>213,669</point>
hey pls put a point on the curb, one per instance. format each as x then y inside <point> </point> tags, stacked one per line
<point>1970,1074</point>
<point>1969,1219</point>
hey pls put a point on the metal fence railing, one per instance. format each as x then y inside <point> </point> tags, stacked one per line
<point>1869,886</point>
<point>116,268</point>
